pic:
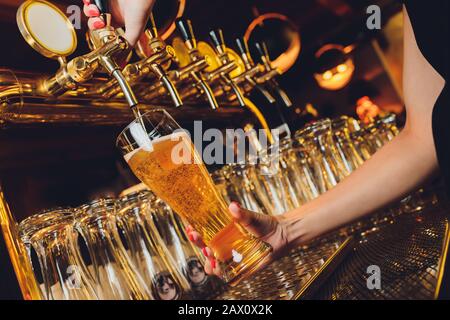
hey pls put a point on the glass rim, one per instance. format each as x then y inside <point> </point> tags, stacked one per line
<point>321,124</point>
<point>161,110</point>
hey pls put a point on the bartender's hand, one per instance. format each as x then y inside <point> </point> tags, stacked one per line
<point>272,230</point>
<point>131,13</point>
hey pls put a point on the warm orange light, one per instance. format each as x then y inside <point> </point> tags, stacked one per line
<point>288,58</point>
<point>341,68</point>
<point>336,78</point>
<point>366,109</point>
<point>167,33</point>
<point>327,75</point>
<point>340,75</point>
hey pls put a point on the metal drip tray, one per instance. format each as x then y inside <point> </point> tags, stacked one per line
<point>410,252</point>
<point>409,249</point>
<point>293,276</point>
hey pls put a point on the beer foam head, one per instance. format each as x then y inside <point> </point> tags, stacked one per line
<point>141,137</point>
<point>144,142</point>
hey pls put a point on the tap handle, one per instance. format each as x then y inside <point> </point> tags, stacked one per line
<point>103,6</point>
<point>242,46</point>
<point>262,50</point>
<point>186,30</point>
<point>218,40</point>
<point>264,53</point>
<point>151,25</point>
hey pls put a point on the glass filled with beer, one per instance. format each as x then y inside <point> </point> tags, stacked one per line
<point>163,156</point>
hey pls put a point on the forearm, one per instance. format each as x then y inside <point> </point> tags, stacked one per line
<point>390,174</point>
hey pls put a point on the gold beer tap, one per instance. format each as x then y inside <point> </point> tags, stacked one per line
<point>106,44</point>
<point>269,74</point>
<point>251,70</point>
<point>161,54</point>
<point>195,69</point>
<point>227,66</point>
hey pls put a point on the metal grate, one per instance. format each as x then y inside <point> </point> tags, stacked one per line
<point>285,278</point>
<point>408,252</point>
<point>407,247</point>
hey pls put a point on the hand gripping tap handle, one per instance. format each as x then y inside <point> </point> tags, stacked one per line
<point>103,7</point>
<point>111,66</point>
<point>187,32</point>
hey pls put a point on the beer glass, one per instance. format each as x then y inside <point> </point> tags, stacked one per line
<point>271,183</point>
<point>147,250</point>
<point>345,146</point>
<point>317,142</point>
<point>187,259</point>
<point>239,187</point>
<point>115,275</point>
<point>163,157</point>
<point>298,172</point>
<point>52,236</point>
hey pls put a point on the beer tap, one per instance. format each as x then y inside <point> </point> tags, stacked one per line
<point>251,70</point>
<point>197,65</point>
<point>223,72</point>
<point>270,73</point>
<point>160,55</point>
<point>106,44</point>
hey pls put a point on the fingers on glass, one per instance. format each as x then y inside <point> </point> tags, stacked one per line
<point>195,237</point>
<point>213,267</point>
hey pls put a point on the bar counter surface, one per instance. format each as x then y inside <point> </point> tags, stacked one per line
<point>398,253</point>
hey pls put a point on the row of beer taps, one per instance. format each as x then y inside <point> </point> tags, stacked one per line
<point>154,77</point>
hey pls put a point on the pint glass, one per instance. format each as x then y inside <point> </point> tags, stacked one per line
<point>162,156</point>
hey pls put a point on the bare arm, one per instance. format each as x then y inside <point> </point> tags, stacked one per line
<point>397,168</point>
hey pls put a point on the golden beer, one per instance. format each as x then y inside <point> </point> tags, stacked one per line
<point>187,187</point>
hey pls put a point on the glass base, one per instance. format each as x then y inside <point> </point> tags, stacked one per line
<point>252,256</point>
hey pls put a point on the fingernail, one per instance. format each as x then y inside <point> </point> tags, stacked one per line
<point>87,2</point>
<point>98,24</point>
<point>213,263</point>
<point>195,236</point>
<point>205,252</point>
<point>94,12</point>
<point>191,238</point>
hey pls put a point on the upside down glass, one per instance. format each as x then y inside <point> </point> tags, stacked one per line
<point>162,156</point>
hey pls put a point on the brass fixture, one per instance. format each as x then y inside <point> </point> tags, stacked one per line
<point>193,64</point>
<point>270,73</point>
<point>106,45</point>
<point>218,68</point>
<point>335,66</point>
<point>251,71</point>
<point>156,58</point>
